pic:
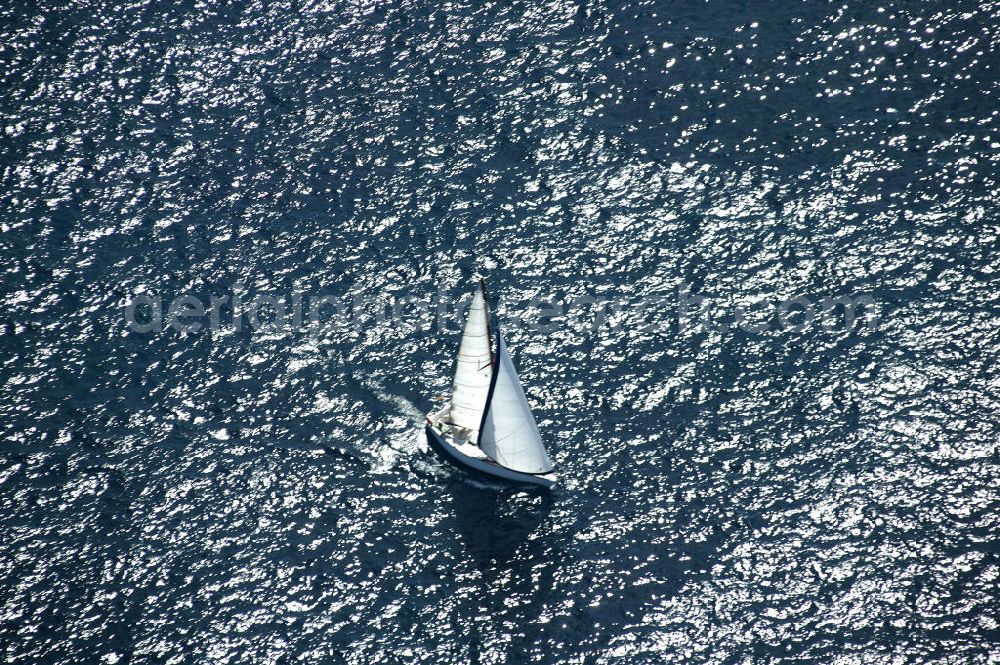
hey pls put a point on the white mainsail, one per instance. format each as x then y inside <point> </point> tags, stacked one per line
<point>510,435</point>
<point>474,368</point>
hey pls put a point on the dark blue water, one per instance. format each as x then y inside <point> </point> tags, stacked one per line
<point>242,496</point>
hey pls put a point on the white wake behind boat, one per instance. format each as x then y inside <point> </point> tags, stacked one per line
<point>488,427</point>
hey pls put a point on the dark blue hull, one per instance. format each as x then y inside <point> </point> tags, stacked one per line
<point>488,470</point>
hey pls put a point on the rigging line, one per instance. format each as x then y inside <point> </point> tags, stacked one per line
<point>486,310</point>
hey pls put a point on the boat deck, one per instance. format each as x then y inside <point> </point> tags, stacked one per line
<point>455,445</point>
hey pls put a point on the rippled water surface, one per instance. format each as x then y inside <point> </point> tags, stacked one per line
<point>245,496</point>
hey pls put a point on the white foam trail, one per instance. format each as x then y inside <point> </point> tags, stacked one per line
<point>404,438</point>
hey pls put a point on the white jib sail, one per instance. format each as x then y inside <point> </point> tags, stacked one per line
<point>474,368</point>
<point>510,435</point>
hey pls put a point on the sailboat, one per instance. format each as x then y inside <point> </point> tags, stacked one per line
<point>488,428</point>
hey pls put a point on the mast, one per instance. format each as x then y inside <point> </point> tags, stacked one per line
<point>486,307</point>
